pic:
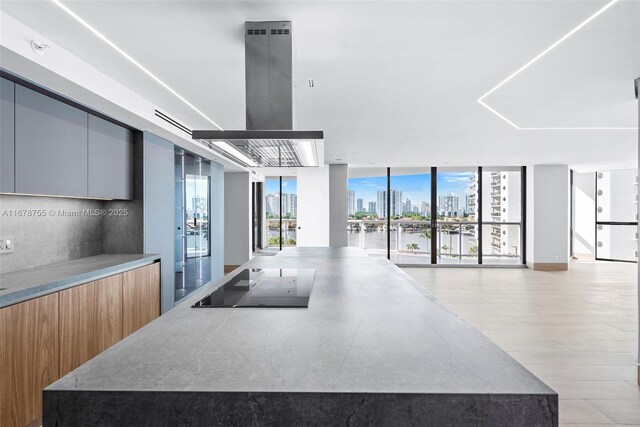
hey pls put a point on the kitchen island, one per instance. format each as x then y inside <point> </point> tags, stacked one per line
<point>372,348</point>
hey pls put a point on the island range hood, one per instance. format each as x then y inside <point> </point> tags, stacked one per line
<point>269,140</point>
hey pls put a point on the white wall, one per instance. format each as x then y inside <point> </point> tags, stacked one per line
<point>338,209</point>
<point>313,206</point>
<point>584,217</point>
<point>548,215</point>
<point>237,218</point>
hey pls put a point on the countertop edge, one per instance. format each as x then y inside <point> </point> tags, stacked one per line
<point>44,289</point>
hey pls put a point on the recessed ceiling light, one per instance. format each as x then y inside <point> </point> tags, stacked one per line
<point>536,58</point>
<point>132,60</point>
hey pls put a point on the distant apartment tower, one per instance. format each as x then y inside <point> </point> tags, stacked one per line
<point>359,205</point>
<point>407,206</point>
<point>472,195</point>
<point>396,203</point>
<point>503,206</point>
<point>425,209</point>
<point>273,204</point>
<point>372,208</point>
<point>381,204</point>
<point>289,204</point>
<point>351,203</point>
<point>448,205</point>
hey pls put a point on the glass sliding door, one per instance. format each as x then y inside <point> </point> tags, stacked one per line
<point>192,201</point>
<point>289,200</point>
<point>501,215</point>
<point>281,207</point>
<point>272,209</point>
<point>410,215</point>
<point>457,205</point>
<point>367,210</point>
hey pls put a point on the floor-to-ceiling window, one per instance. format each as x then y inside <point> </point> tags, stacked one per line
<point>502,215</point>
<point>192,208</point>
<point>469,215</point>
<point>616,215</point>
<point>281,211</point>
<point>367,210</point>
<point>457,204</point>
<point>410,215</point>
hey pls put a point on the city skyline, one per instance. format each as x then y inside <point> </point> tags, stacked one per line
<point>416,187</point>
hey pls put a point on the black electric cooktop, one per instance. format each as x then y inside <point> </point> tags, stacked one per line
<point>263,287</point>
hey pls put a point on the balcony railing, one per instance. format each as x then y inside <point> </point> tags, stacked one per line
<point>411,240</point>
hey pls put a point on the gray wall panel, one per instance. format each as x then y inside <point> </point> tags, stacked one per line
<point>110,157</point>
<point>7,136</point>
<point>62,234</point>
<point>217,221</point>
<point>338,175</point>
<point>51,146</point>
<point>158,155</point>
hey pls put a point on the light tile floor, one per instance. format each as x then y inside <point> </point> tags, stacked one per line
<point>575,330</point>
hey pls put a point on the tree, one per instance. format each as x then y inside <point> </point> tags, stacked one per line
<point>412,246</point>
<point>446,248</point>
<point>426,234</point>
<point>473,250</point>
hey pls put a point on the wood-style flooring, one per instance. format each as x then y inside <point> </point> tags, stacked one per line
<point>576,330</point>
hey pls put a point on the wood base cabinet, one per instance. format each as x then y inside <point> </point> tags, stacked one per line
<point>90,321</point>
<point>141,297</point>
<point>45,338</point>
<point>29,358</point>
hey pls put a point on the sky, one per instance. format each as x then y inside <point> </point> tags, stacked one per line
<point>417,188</point>
<point>289,185</point>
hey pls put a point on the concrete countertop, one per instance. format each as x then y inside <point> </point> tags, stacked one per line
<point>23,285</point>
<point>369,327</point>
<point>369,330</point>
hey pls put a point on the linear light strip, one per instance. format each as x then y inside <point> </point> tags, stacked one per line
<point>133,61</point>
<point>536,58</point>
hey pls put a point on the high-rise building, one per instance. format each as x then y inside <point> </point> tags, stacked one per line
<point>425,208</point>
<point>351,203</point>
<point>290,204</point>
<point>396,202</point>
<point>407,206</point>
<point>471,196</point>
<point>448,205</point>
<point>503,206</point>
<point>372,208</point>
<point>381,204</point>
<point>359,205</point>
<point>273,204</point>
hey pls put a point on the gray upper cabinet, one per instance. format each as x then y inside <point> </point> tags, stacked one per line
<point>50,146</point>
<point>7,136</point>
<point>110,160</point>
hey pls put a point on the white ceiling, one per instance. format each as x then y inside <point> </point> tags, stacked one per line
<point>396,82</point>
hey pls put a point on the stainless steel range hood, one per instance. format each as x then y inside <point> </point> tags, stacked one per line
<point>268,140</point>
<point>266,148</point>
